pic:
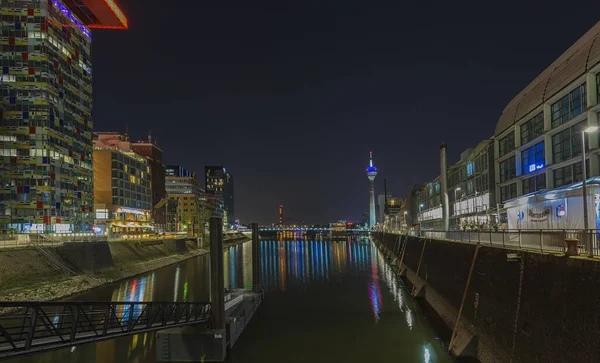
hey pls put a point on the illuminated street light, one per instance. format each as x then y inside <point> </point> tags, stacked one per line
<point>588,241</point>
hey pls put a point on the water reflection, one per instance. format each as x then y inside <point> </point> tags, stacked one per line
<point>285,262</point>
<point>322,293</point>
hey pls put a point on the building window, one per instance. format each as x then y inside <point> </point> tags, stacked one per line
<point>481,183</point>
<point>506,144</point>
<point>535,183</point>
<point>567,144</point>
<point>508,169</point>
<point>532,128</point>
<point>568,107</point>
<point>569,174</point>
<point>470,168</point>
<point>481,163</point>
<point>508,192</point>
<point>532,159</point>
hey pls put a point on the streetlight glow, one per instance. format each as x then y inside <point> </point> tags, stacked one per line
<point>590,129</point>
<point>458,188</point>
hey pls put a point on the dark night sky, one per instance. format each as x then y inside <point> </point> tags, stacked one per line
<point>291,95</point>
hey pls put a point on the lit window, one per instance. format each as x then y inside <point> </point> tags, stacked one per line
<point>532,159</point>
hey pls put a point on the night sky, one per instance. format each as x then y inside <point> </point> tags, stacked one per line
<point>290,96</point>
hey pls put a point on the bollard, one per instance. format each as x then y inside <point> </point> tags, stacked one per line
<point>217,287</point>
<point>255,258</point>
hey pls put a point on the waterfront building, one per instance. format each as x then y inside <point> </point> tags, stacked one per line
<point>153,155</point>
<point>183,185</point>
<point>470,189</point>
<point>538,143</point>
<point>380,207</point>
<point>174,216</point>
<point>122,188</point>
<point>46,181</point>
<point>534,164</point>
<point>219,182</point>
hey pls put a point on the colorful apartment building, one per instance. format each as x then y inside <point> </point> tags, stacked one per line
<point>46,180</point>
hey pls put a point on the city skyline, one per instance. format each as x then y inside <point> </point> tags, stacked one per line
<point>348,93</point>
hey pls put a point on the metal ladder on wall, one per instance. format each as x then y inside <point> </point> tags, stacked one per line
<point>166,347</point>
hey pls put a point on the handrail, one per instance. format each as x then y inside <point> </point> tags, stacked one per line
<point>550,240</point>
<point>38,326</point>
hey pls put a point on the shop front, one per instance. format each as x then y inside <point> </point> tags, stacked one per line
<point>122,221</point>
<point>558,209</point>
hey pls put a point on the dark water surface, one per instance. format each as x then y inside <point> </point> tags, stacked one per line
<point>324,302</point>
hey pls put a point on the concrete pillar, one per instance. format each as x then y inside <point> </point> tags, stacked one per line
<point>217,287</point>
<point>593,143</point>
<point>547,109</point>
<point>444,186</point>
<point>549,179</point>
<point>591,90</point>
<point>255,258</point>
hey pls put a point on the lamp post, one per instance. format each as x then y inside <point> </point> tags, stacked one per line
<point>587,240</point>
<point>405,225</point>
<point>420,217</point>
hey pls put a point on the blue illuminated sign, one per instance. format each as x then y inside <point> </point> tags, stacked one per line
<point>534,167</point>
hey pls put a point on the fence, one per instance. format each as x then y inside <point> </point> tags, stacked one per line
<point>14,240</point>
<point>49,325</point>
<point>550,240</point>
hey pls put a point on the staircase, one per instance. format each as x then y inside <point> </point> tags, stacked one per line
<point>54,260</point>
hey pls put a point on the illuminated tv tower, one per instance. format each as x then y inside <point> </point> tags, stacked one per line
<point>371,174</point>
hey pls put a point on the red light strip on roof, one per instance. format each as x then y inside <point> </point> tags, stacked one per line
<point>118,13</point>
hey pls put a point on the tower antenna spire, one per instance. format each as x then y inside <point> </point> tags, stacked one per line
<point>371,174</point>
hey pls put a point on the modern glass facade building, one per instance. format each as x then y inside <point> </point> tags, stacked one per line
<point>219,182</point>
<point>46,180</point>
<point>530,172</point>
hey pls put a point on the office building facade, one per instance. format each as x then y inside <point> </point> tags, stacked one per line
<point>46,180</point>
<point>219,182</point>
<point>154,158</point>
<point>183,185</point>
<point>122,191</point>
<point>538,143</point>
<point>534,160</point>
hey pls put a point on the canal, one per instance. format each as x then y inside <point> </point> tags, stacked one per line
<point>324,302</point>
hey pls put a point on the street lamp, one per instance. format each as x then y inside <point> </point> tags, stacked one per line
<point>405,225</point>
<point>420,217</point>
<point>588,241</point>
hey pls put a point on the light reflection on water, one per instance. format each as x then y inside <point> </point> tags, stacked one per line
<point>323,293</point>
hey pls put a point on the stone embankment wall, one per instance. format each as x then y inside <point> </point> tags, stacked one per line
<point>522,307</point>
<point>26,274</point>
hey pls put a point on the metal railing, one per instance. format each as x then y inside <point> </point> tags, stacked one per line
<point>14,240</point>
<point>550,240</point>
<point>27,327</point>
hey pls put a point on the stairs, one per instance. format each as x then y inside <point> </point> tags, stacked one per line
<point>53,259</point>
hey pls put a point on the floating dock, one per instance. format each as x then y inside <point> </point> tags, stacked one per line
<point>194,344</point>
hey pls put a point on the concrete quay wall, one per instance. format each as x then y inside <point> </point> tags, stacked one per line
<point>26,274</point>
<point>520,306</point>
